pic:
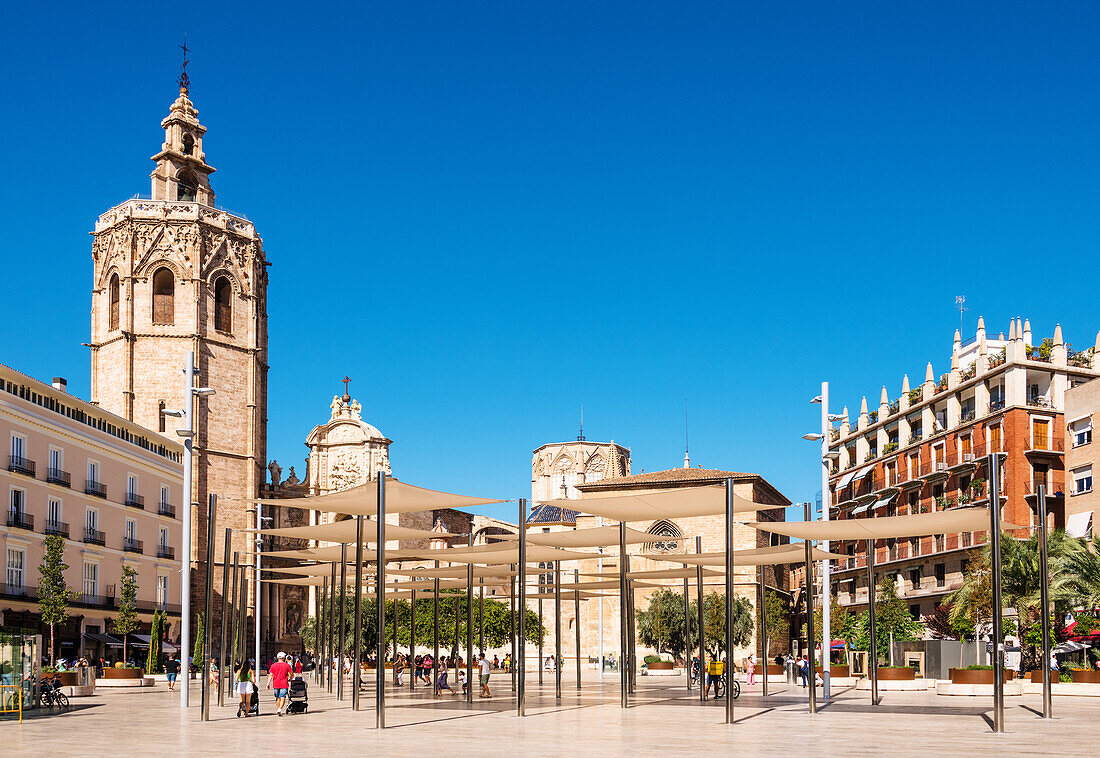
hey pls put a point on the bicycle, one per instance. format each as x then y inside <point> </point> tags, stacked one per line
<point>52,694</point>
<point>722,684</point>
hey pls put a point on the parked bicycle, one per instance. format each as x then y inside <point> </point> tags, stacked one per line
<point>52,694</point>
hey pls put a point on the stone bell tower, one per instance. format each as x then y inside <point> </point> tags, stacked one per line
<point>170,274</point>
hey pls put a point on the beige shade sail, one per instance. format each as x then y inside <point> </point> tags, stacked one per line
<point>600,536</point>
<point>683,502</point>
<point>966,519</point>
<point>426,584</point>
<point>363,500</point>
<point>331,553</point>
<point>312,569</point>
<point>566,595</point>
<point>679,573</point>
<point>300,581</point>
<point>456,572</point>
<point>760,556</point>
<point>509,554</point>
<point>344,531</point>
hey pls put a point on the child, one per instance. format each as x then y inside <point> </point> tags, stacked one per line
<point>462,680</point>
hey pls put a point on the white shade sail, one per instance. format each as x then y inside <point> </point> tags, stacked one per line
<point>344,531</point>
<point>312,569</point>
<point>332,553</point>
<point>682,502</point>
<point>761,556</point>
<point>966,519</point>
<point>456,572</point>
<point>363,500</point>
<point>678,573</point>
<point>600,536</point>
<point>506,553</point>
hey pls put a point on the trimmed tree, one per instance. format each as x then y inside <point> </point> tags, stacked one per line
<point>54,595</point>
<point>661,625</point>
<point>125,622</point>
<point>200,635</point>
<point>156,632</point>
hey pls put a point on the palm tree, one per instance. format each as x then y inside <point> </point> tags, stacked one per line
<point>1083,567</point>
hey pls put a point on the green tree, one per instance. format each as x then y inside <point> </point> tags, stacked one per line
<point>779,617</point>
<point>125,622</point>
<point>714,622</point>
<point>1082,565</point>
<point>891,617</point>
<point>54,595</point>
<point>661,625</point>
<point>200,637</point>
<point>156,633</point>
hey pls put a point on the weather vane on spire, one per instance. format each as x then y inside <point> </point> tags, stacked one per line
<point>184,80</point>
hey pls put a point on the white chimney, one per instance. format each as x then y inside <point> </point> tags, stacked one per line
<point>59,383</point>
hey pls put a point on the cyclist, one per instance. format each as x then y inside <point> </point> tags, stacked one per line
<point>715,670</point>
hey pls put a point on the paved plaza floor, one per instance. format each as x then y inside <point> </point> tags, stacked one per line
<point>664,720</point>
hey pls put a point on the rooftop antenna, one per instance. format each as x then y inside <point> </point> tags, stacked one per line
<point>580,436</point>
<point>184,80</point>
<point>960,303</point>
<point>687,458</point>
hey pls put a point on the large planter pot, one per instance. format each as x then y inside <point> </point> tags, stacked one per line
<point>1086,677</point>
<point>774,669</point>
<point>978,676</point>
<point>123,673</point>
<point>660,666</point>
<point>840,672</point>
<point>896,674</point>
<point>1036,677</point>
<point>64,678</point>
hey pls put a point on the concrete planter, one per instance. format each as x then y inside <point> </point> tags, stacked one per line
<point>64,678</point>
<point>1085,677</point>
<point>978,676</point>
<point>839,672</point>
<point>896,674</point>
<point>123,673</point>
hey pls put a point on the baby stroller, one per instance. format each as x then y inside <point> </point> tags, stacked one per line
<point>298,697</point>
<point>254,703</point>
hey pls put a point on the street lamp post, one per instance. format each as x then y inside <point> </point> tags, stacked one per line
<point>190,392</point>
<point>826,589</point>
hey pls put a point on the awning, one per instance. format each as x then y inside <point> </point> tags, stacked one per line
<point>845,480</point>
<point>363,500</point>
<point>1069,646</point>
<point>103,639</point>
<point>682,502</point>
<point>863,472</point>
<point>967,519</point>
<point>1078,524</point>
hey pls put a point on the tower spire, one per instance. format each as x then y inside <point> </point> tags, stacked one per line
<point>580,435</point>
<point>687,457</point>
<point>183,80</point>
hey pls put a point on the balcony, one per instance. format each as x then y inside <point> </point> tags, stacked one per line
<point>20,520</point>
<point>134,500</point>
<point>18,592</point>
<point>166,509</point>
<point>1056,488</point>
<point>997,405</point>
<point>57,476</point>
<point>1039,401</point>
<point>164,551</point>
<point>20,465</point>
<point>94,536</point>
<point>157,605</point>
<point>95,489</point>
<point>1046,446</point>
<point>57,527</point>
<point>95,601</point>
<point>130,545</point>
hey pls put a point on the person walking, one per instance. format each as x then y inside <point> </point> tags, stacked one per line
<point>715,669</point>
<point>245,681</point>
<point>399,669</point>
<point>427,666</point>
<point>484,667</point>
<point>172,671</point>
<point>750,669</point>
<point>441,682</point>
<point>804,670</point>
<point>297,667</point>
<point>278,677</point>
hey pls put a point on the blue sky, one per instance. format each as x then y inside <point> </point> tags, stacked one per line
<point>487,214</point>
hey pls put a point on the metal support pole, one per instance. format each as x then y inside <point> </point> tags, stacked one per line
<point>687,634</point>
<point>512,624</point>
<point>209,607</point>
<point>811,684</point>
<point>470,625</point>
<point>342,643</point>
<point>872,665</point>
<point>1044,600</point>
<point>558,658</point>
<point>826,585</point>
<point>322,633</point>
<point>481,616</point>
<point>458,617</point>
<point>223,675</point>
<point>699,612</point>
<point>330,642</point>
<point>994,468</point>
<point>521,647</point>
<point>412,639</point>
<point>577,621</point>
<point>186,516</point>
<point>435,635</point>
<point>631,637</point>
<point>542,660</point>
<point>257,587</point>
<point>234,622</point>
<point>380,579</point>
<point>357,636</point>
<point>242,617</point>
<point>624,694</point>
<point>763,633</point>
<point>729,601</point>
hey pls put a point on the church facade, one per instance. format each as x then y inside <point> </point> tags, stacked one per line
<point>171,274</point>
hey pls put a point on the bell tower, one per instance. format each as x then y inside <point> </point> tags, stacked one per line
<point>172,274</point>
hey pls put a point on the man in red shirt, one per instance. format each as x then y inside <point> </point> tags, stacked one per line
<point>279,676</point>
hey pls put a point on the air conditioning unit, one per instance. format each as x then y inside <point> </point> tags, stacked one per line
<point>941,466</point>
<point>968,457</point>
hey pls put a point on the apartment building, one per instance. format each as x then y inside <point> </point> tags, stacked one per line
<point>1082,404</point>
<point>925,450</point>
<point>109,487</point>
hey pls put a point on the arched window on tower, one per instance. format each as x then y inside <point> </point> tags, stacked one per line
<point>223,305</point>
<point>188,144</point>
<point>187,187</point>
<point>112,317</point>
<point>667,530</point>
<point>164,297</point>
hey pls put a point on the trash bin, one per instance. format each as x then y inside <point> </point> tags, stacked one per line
<point>792,672</point>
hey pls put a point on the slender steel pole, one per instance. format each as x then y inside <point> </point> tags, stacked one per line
<point>331,636</point>
<point>994,468</point>
<point>763,633</point>
<point>542,659</point>
<point>521,646</point>
<point>187,515</point>
<point>481,616</point>
<point>624,694</point>
<point>357,641</point>
<point>235,621</point>
<point>872,657</point>
<point>826,586</point>
<point>729,601</point>
<point>558,658</point>
<point>380,620</point>
<point>257,586</point>
<point>226,622</point>
<point>435,635</point>
<point>209,607</point>
<point>412,638</point>
<point>470,625</point>
<point>687,632</point>
<point>699,613</point>
<point>343,639</point>
<point>322,633</point>
<point>1044,601</point>
<point>512,623</point>
<point>577,621</point>
<point>458,617</point>
<point>242,610</point>
<point>631,636</point>
<point>810,617</point>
